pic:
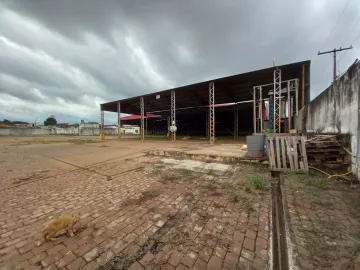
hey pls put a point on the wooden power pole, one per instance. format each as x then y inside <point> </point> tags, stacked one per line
<point>334,51</point>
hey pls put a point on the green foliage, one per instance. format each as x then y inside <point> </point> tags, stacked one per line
<point>259,183</point>
<point>50,122</point>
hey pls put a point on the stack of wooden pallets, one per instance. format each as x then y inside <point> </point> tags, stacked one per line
<point>325,149</point>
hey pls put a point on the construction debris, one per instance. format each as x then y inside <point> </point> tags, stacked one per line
<point>325,149</point>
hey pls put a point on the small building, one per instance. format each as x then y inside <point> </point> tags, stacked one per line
<point>130,129</point>
<point>89,125</point>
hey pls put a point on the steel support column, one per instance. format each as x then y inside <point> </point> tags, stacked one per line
<point>236,121</point>
<point>207,125</point>
<point>212,112</point>
<point>261,110</point>
<point>119,119</point>
<point>173,115</point>
<point>297,96</point>
<point>258,109</point>
<point>289,105</point>
<point>102,120</point>
<point>277,100</point>
<point>168,127</point>
<point>254,109</point>
<point>142,110</point>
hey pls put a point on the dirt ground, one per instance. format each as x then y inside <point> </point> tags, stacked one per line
<point>137,211</point>
<point>325,218</point>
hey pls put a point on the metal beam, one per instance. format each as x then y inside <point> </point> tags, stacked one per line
<point>236,122</point>
<point>288,105</point>
<point>173,115</point>
<point>142,111</point>
<point>297,96</point>
<point>212,112</point>
<point>102,120</point>
<point>119,119</point>
<point>254,109</point>
<point>277,100</point>
<point>207,124</point>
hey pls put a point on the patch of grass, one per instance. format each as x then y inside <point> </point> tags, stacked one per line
<point>149,194</point>
<point>292,175</point>
<point>130,202</point>
<point>355,247</point>
<point>211,172</point>
<point>321,183</point>
<point>146,195</point>
<point>259,183</point>
<point>184,172</point>
<point>168,177</point>
<point>312,180</point>
<point>177,236</point>
<point>308,246</point>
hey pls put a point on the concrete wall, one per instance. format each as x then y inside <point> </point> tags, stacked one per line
<point>56,131</point>
<point>65,131</point>
<point>24,131</point>
<point>335,111</point>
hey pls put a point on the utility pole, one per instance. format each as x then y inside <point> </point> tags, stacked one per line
<point>334,54</point>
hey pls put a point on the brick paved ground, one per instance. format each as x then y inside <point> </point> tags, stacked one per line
<point>324,214</point>
<point>133,213</point>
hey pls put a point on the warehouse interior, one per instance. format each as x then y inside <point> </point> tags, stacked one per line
<point>228,107</point>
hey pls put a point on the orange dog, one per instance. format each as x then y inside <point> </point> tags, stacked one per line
<point>66,222</point>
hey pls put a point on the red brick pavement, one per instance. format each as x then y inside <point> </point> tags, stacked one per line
<point>227,237</point>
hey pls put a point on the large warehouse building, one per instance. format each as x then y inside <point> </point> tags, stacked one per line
<point>243,104</point>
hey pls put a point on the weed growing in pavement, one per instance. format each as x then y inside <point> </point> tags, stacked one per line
<point>259,183</point>
<point>355,247</point>
<point>149,194</point>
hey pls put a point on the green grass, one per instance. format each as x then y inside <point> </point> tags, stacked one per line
<point>152,193</point>
<point>259,183</point>
<point>355,247</point>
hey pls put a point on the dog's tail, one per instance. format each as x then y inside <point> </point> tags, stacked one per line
<point>45,234</point>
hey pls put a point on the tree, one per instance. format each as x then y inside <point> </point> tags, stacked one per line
<point>50,121</point>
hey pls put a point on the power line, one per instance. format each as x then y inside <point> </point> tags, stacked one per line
<point>334,54</point>
<point>342,13</point>
<point>356,38</point>
<point>357,22</point>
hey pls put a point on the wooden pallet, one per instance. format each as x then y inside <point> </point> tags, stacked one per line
<point>325,149</point>
<point>287,153</point>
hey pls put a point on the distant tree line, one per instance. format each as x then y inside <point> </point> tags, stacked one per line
<point>8,122</point>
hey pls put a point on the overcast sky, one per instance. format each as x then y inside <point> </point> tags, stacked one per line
<point>65,57</point>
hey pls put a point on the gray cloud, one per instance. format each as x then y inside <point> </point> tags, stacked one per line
<point>70,55</point>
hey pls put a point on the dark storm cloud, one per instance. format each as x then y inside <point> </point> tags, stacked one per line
<point>114,49</point>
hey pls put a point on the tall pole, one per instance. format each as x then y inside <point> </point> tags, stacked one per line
<point>254,108</point>
<point>236,122</point>
<point>102,122</point>
<point>334,51</point>
<point>142,110</point>
<point>173,115</point>
<point>277,100</point>
<point>212,112</point>
<point>119,119</point>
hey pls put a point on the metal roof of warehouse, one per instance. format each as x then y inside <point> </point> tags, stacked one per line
<point>230,89</point>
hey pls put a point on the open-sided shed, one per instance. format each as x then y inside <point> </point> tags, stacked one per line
<point>204,95</point>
